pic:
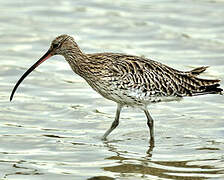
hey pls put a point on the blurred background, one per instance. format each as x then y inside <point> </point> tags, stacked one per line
<point>52,128</point>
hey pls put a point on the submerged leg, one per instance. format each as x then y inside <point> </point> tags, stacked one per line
<point>150,125</point>
<point>114,124</point>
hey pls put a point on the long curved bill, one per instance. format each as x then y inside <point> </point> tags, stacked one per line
<point>42,59</point>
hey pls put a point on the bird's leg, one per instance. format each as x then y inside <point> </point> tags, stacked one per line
<point>115,122</point>
<point>150,125</point>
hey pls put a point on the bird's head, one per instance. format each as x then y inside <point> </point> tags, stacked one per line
<point>59,46</point>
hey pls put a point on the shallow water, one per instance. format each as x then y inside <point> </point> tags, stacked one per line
<point>52,128</point>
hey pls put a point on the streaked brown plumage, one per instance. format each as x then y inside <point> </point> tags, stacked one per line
<point>128,80</point>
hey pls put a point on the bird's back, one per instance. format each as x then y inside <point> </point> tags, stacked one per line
<point>134,80</point>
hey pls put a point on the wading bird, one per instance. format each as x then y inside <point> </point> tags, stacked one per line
<point>128,80</point>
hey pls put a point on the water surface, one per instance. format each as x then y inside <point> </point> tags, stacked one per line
<point>52,128</point>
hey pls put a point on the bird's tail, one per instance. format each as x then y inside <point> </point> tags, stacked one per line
<point>199,86</point>
<point>198,70</point>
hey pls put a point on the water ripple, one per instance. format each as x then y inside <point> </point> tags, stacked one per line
<point>53,126</point>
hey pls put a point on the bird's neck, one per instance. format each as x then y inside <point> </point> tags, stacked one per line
<point>77,60</point>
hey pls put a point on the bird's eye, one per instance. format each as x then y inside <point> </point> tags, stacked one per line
<point>55,45</point>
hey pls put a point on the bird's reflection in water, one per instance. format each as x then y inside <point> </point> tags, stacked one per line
<point>151,147</point>
<point>128,163</point>
<point>111,147</point>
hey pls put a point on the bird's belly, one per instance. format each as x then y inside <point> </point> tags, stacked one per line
<point>133,97</point>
